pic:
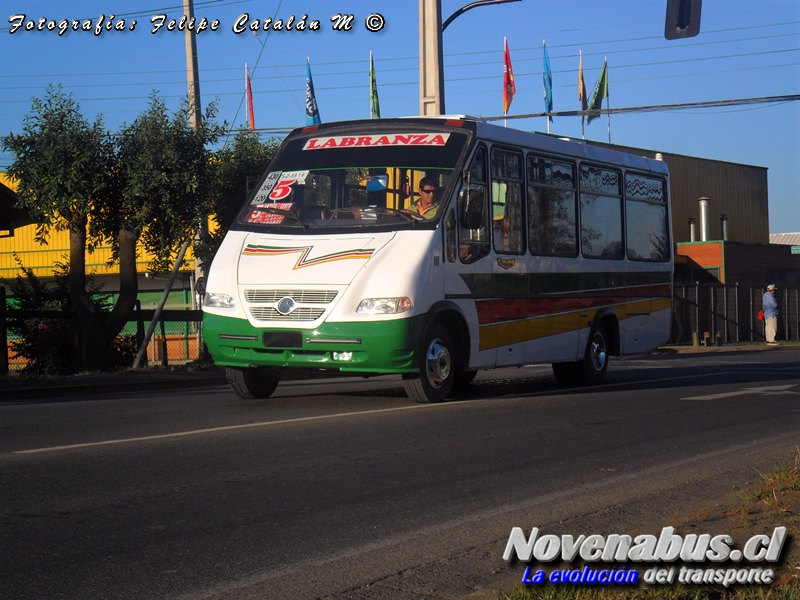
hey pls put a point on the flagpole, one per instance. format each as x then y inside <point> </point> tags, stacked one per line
<point>246,100</point>
<point>547,118</point>
<point>583,98</point>
<point>608,103</point>
<point>371,115</point>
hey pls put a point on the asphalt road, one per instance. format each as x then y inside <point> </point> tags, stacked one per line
<point>346,489</point>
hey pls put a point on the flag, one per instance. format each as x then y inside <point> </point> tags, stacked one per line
<point>312,112</point>
<point>509,89</point>
<point>250,112</point>
<point>600,92</point>
<point>374,104</point>
<point>547,78</point>
<point>581,85</point>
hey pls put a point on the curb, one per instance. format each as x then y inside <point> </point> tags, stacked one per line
<point>126,384</point>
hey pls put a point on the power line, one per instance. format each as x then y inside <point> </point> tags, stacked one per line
<point>655,107</point>
<point>415,58</point>
<point>414,82</point>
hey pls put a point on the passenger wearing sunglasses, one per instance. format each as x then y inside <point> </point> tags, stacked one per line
<point>428,204</point>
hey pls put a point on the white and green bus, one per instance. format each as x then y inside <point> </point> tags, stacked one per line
<point>540,250</point>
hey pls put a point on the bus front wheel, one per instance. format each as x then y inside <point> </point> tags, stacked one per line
<point>252,382</point>
<point>436,367</point>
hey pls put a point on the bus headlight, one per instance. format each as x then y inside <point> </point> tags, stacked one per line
<point>218,300</point>
<point>385,306</point>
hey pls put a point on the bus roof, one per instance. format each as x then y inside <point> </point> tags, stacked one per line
<point>550,144</point>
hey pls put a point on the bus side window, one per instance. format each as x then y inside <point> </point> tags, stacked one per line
<point>473,199</point>
<point>601,213</point>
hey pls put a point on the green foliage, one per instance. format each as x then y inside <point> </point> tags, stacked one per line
<point>236,168</point>
<point>165,169</point>
<point>61,161</point>
<point>48,344</point>
<point>150,184</point>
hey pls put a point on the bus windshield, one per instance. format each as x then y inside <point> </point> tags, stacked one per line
<point>344,180</point>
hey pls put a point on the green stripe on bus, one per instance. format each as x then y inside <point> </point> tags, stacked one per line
<point>385,346</point>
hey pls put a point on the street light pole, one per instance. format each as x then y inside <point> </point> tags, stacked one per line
<point>431,54</point>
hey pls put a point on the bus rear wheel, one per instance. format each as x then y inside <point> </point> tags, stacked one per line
<point>253,382</point>
<point>568,373</point>
<point>436,367</point>
<point>595,360</point>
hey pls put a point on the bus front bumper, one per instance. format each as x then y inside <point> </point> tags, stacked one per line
<point>358,347</point>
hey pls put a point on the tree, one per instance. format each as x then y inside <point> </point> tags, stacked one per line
<point>151,185</point>
<point>235,166</point>
<point>64,168</point>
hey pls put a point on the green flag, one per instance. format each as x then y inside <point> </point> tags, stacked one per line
<point>374,105</point>
<point>600,93</point>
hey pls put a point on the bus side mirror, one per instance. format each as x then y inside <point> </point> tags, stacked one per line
<point>683,19</point>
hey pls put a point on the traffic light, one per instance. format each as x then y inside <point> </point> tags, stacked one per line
<point>683,19</point>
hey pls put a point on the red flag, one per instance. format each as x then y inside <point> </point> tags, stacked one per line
<point>509,89</point>
<point>250,99</point>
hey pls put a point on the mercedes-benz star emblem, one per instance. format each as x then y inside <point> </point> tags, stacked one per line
<point>286,305</point>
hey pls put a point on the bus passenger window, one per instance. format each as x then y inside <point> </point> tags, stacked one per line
<point>646,225</point>
<point>601,213</point>
<point>552,222</point>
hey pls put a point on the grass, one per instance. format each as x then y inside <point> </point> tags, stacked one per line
<point>661,593</point>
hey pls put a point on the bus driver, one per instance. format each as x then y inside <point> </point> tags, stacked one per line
<point>428,204</point>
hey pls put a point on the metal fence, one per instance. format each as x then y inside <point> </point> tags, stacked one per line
<point>709,314</point>
<point>177,338</point>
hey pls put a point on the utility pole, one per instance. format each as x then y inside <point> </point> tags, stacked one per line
<point>192,72</point>
<point>431,53</point>
<point>193,79</point>
<point>431,60</point>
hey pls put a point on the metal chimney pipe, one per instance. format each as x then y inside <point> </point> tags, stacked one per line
<point>723,221</point>
<point>692,230</point>
<point>703,219</point>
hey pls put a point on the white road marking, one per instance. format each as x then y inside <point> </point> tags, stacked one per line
<point>180,434</point>
<point>769,390</point>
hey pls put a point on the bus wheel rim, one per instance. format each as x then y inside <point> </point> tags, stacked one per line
<point>438,363</point>
<point>598,352</point>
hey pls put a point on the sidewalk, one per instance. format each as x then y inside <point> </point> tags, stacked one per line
<point>23,388</point>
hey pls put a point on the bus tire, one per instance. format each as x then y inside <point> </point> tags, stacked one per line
<point>436,367</point>
<point>567,373</point>
<point>252,382</point>
<point>595,359</point>
<point>462,381</point>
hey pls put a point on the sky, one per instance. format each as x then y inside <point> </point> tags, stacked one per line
<point>745,49</point>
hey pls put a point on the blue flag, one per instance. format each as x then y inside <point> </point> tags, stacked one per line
<point>312,112</point>
<point>547,77</point>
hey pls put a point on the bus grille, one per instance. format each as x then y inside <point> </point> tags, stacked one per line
<point>268,313</point>
<point>304,296</point>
